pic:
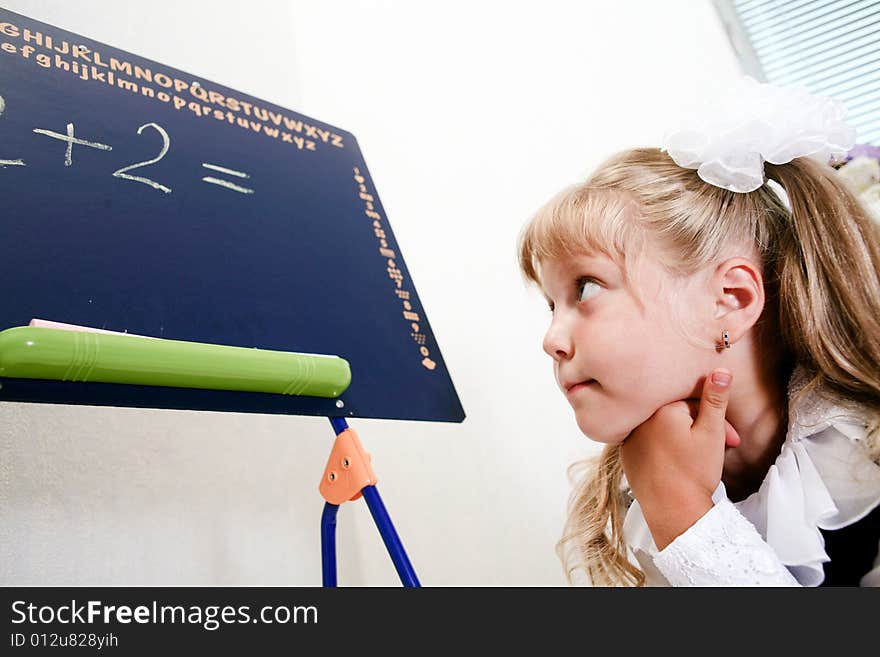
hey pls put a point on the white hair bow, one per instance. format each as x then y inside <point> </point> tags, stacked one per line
<point>729,136</point>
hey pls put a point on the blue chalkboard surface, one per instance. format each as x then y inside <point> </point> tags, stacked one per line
<point>138,198</point>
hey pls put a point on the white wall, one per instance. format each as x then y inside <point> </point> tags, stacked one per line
<point>470,115</point>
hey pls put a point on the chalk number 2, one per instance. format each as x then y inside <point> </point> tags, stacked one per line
<point>166,142</point>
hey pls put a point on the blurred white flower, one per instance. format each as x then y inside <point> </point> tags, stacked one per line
<point>862,175</point>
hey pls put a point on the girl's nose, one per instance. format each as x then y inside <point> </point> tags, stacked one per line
<point>557,342</point>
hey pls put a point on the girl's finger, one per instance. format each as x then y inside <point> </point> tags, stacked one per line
<point>713,402</point>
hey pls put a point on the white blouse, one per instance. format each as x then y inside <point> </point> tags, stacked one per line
<point>822,478</point>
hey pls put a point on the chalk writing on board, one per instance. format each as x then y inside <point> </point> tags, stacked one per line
<point>90,65</point>
<point>394,272</point>
<point>226,183</point>
<point>72,140</point>
<point>166,142</point>
<point>6,163</point>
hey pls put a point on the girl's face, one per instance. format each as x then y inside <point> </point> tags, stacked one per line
<point>632,355</point>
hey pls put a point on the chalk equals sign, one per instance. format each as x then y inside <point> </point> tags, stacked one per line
<point>226,183</point>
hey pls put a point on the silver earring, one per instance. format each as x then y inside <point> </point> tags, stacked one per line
<point>725,339</point>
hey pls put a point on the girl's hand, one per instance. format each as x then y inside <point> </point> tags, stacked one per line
<point>673,461</point>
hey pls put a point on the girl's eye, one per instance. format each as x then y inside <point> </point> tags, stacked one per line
<point>587,288</point>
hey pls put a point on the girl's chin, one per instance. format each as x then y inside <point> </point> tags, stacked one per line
<point>602,436</point>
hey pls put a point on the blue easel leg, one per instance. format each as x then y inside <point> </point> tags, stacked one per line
<point>328,543</point>
<point>389,535</point>
<point>383,523</point>
<point>339,424</point>
<point>328,524</point>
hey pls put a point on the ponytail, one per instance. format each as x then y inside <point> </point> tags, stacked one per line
<point>828,270</point>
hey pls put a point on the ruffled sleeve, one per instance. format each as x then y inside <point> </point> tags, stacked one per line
<point>722,549</point>
<point>822,479</point>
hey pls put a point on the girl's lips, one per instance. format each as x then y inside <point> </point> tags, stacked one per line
<point>579,386</point>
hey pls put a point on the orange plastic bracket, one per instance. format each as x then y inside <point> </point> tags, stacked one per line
<point>348,470</point>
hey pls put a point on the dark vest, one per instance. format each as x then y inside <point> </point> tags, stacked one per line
<point>852,550</point>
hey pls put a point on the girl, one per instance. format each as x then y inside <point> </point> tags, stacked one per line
<point>656,280</point>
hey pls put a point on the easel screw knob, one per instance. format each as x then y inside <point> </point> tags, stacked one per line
<point>348,455</point>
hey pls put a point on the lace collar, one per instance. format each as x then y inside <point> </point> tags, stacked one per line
<point>822,478</point>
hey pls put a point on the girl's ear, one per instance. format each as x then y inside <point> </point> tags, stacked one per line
<point>738,290</point>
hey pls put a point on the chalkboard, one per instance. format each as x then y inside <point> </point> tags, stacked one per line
<point>138,198</point>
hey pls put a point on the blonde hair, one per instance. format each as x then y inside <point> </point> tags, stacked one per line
<point>821,267</point>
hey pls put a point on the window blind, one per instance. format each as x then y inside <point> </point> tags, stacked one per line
<point>831,47</point>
